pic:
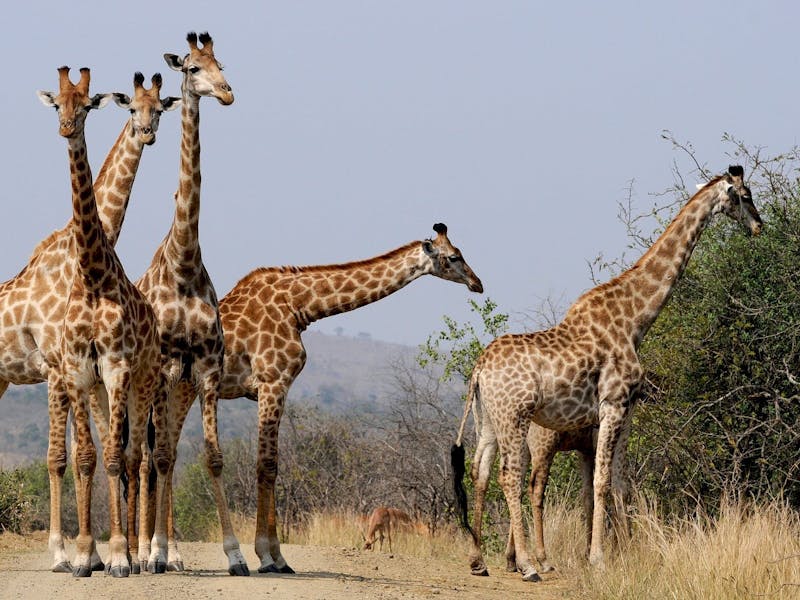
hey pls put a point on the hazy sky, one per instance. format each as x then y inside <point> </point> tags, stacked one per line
<point>357,125</point>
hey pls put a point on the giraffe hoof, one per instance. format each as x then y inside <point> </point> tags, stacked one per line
<point>63,567</point>
<point>98,566</point>
<point>120,571</point>
<point>136,568</point>
<point>287,569</point>
<point>532,576</point>
<point>176,566</point>
<point>270,568</point>
<point>480,572</point>
<point>240,570</point>
<point>156,567</point>
<point>511,566</point>
<point>547,568</point>
<point>82,571</point>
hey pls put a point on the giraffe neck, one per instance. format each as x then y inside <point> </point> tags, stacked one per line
<point>319,292</point>
<point>112,187</point>
<point>182,244</point>
<point>638,295</point>
<point>90,239</point>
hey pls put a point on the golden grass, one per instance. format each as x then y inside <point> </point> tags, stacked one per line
<point>749,551</point>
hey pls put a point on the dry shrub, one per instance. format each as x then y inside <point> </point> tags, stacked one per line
<point>747,551</point>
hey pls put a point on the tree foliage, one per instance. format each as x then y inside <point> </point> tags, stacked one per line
<point>722,410</point>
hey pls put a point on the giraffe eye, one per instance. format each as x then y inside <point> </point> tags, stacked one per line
<point>454,258</point>
<point>130,110</point>
<point>194,70</point>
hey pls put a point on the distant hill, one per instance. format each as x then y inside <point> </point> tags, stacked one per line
<point>341,374</point>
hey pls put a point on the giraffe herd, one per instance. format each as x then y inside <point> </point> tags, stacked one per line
<point>129,356</point>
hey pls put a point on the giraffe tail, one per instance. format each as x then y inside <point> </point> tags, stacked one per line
<point>458,462</point>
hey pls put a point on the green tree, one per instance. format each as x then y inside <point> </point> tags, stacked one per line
<point>721,413</point>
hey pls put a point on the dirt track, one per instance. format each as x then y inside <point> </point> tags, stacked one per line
<point>329,573</point>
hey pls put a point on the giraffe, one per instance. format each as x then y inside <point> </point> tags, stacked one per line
<point>33,303</point>
<point>263,318</point>
<point>108,344</point>
<point>585,370</point>
<point>183,297</point>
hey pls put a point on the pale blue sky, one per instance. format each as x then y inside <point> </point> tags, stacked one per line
<point>357,125</point>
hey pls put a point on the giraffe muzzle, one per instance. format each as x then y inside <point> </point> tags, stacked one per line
<point>224,94</point>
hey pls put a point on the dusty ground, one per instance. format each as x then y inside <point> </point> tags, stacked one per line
<point>328,573</point>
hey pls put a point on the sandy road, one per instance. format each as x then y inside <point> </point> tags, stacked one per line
<point>330,573</point>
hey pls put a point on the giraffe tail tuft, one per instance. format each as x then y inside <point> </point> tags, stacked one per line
<point>457,462</point>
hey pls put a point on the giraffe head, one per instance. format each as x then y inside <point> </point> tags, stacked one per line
<point>145,107</point>
<point>447,261</point>
<point>202,72</point>
<point>72,103</point>
<point>735,200</point>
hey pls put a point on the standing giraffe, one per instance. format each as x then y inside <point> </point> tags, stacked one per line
<point>33,303</point>
<point>263,317</point>
<point>585,370</point>
<point>183,297</point>
<point>109,342</point>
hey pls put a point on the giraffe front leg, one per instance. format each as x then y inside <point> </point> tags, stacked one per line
<point>85,462</point>
<point>612,415</point>
<point>58,409</point>
<point>112,457</point>
<point>270,410</point>
<point>163,457</point>
<point>237,565</point>
<point>147,493</point>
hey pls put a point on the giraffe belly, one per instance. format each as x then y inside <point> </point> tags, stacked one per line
<point>567,411</point>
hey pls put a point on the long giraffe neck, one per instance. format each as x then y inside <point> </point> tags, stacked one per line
<point>90,239</point>
<point>319,292</point>
<point>183,246</point>
<point>637,296</point>
<point>112,188</point>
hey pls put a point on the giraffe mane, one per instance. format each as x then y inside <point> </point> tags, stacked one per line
<point>600,290</point>
<point>313,269</point>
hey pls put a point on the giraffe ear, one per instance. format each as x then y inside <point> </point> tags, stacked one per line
<point>122,100</point>
<point>174,61</point>
<point>47,98</point>
<point>171,103</point>
<point>429,249</point>
<point>99,101</point>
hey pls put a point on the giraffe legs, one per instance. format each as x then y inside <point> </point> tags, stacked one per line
<point>270,409</point>
<point>237,565</point>
<point>485,452</point>
<point>612,417</point>
<point>86,462</point>
<point>511,458</point>
<point>587,475</point>
<point>163,459</point>
<point>115,462</point>
<point>58,408</point>
<point>542,443</point>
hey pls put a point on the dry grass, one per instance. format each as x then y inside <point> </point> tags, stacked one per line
<point>747,552</point>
